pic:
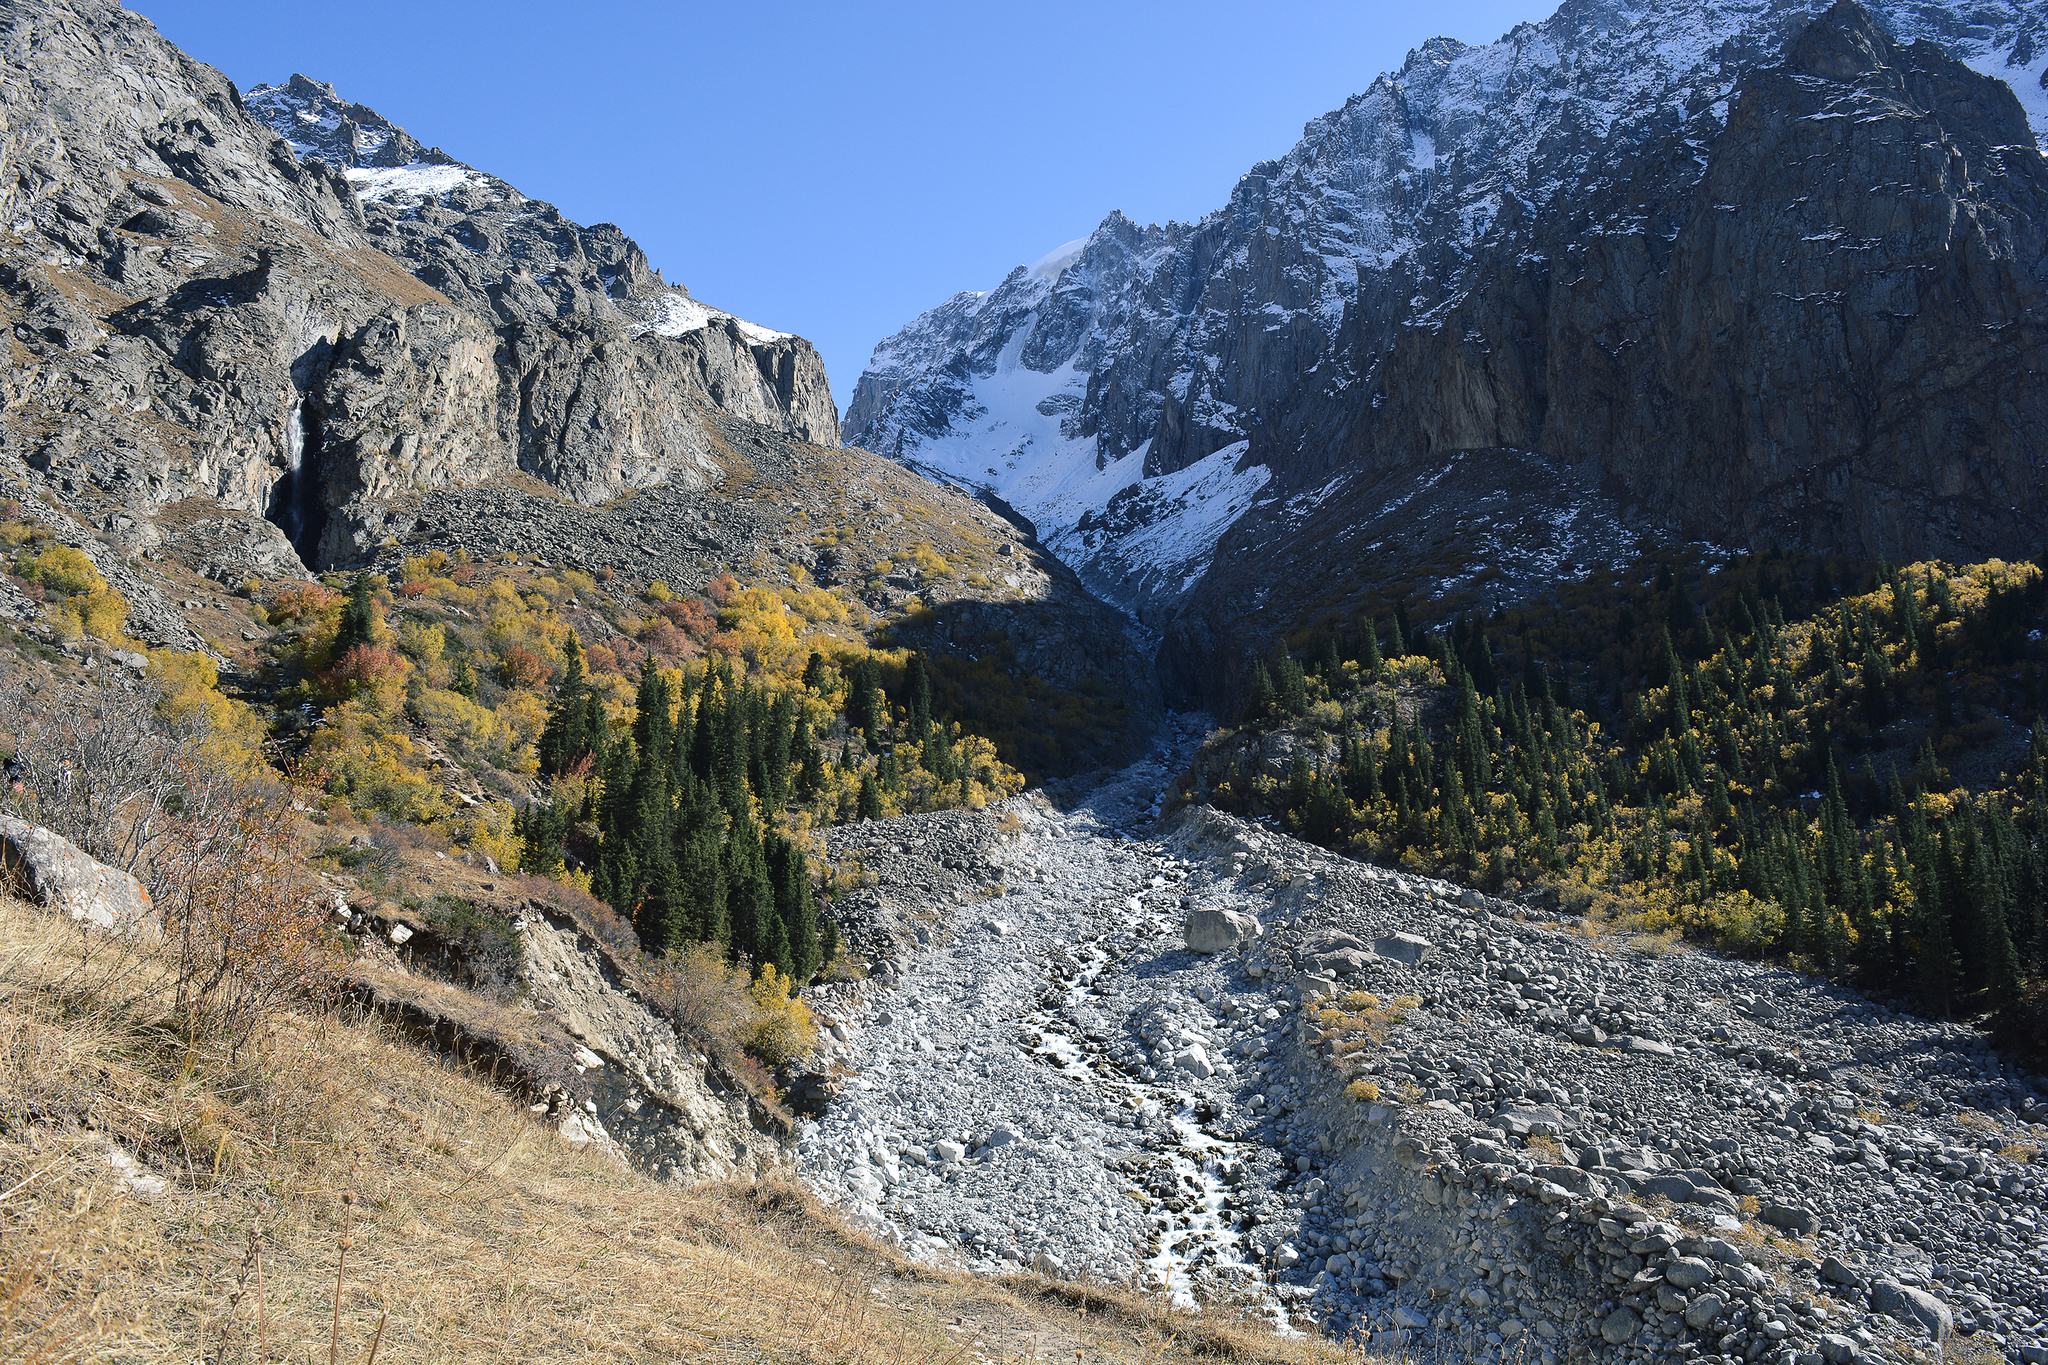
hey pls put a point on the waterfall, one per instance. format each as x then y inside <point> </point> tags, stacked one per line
<point>295,504</point>
<point>294,439</point>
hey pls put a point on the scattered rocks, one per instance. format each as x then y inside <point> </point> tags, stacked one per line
<point>1523,1134</point>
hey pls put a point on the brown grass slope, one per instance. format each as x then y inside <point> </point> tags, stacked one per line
<point>321,1191</point>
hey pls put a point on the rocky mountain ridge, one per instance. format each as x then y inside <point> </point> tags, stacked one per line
<point>1553,244</point>
<point>197,311</point>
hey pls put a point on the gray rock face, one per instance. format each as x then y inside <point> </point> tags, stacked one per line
<point>45,867</point>
<point>1783,287</point>
<point>201,312</point>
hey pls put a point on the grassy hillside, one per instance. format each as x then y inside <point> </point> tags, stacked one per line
<point>304,1188</point>
<point>1833,763</point>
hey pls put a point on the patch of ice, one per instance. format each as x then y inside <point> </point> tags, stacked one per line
<point>421,179</point>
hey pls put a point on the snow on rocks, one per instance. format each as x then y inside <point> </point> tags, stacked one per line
<point>1405,1110</point>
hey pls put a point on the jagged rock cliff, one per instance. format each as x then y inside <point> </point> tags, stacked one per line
<point>197,309</point>
<point>1765,273</point>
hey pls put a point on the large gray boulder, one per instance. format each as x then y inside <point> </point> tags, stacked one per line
<point>1219,931</point>
<point>45,867</point>
<point>1406,949</point>
<point>1915,1309</point>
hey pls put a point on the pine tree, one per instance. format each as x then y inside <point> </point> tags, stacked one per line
<point>794,906</point>
<point>1263,698</point>
<point>462,677</point>
<point>749,897</point>
<point>917,697</point>
<point>358,618</point>
<point>541,828</point>
<point>575,726</point>
<point>870,807</point>
<point>701,874</point>
<point>866,703</point>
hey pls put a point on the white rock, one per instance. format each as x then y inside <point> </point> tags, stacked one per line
<point>588,1060</point>
<point>133,1178</point>
<point>1195,1061</point>
<point>578,1128</point>
<point>400,933</point>
<point>950,1151</point>
<point>42,866</point>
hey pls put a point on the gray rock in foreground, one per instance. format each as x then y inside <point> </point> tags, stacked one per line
<point>45,867</point>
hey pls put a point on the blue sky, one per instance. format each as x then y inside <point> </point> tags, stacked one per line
<point>834,170</point>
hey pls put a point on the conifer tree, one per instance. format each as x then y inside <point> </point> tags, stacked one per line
<point>1263,698</point>
<point>917,696</point>
<point>358,618</point>
<point>575,727</point>
<point>462,677</point>
<point>749,897</point>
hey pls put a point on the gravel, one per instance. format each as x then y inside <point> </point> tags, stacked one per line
<point>1543,1143</point>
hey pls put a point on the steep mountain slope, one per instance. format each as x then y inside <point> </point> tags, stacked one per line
<point>589,422</point>
<point>240,354</point>
<point>1763,273</point>
<point>196,311</point>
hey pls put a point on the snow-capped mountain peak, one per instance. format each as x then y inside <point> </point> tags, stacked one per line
<point>578,270</point>
<point>1486,249</point>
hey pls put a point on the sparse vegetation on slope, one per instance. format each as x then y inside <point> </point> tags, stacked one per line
<point>173,1196</point>
<point>1797,757</point>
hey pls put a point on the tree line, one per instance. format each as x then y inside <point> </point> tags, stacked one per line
<point>1735,791</point>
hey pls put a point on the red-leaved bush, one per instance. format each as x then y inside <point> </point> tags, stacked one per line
<point>521,667</point>
<point>364,667</point>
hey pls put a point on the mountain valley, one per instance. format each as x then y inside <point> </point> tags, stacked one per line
<point>1447,763</point>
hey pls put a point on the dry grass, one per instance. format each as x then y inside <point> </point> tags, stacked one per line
<point>469,1231</point>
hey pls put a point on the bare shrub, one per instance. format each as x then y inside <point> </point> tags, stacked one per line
<point>217,848</point>
<point>718,1003</point>
<point>699,993</point>
<point>248,926</point>
<point>94,761</point>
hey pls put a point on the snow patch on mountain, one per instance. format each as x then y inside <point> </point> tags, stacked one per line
<point>1167,527</point>
<point>676,314</point>
<point>418,180</point>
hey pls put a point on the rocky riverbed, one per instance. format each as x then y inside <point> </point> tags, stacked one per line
<point>1391,1109</point>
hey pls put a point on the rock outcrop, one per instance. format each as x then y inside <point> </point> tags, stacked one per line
<point>42,866</point>
<point>200,310</point>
